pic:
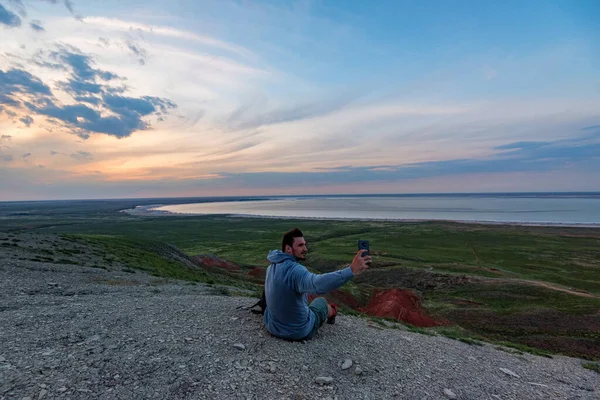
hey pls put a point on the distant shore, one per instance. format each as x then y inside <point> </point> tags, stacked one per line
<point>152,210</point>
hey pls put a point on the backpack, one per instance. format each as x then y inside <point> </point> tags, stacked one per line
<point>262,303</point>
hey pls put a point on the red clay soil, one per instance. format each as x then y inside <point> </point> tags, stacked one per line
<point>403,305</point>
<point>338,297</point>
<point>258,272</point>
<point>210,260</point>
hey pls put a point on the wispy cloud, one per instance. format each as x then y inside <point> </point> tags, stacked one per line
<point>9,18</point>
<point>128,26</point>
<point>36,25</point>
<point>27,120</point>
<point>82,156</point>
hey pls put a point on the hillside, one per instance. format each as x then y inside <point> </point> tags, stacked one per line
<point>80,324</point>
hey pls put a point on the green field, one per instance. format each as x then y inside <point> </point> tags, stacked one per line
<point>535,287</point>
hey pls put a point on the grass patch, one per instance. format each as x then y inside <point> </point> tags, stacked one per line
<point>136,254</point>
<point>422,331</point>
<point>525,349</point>
<point>221,291</point>
<point>592,366</point>
<point>65,261</point>
<point>462,335</point>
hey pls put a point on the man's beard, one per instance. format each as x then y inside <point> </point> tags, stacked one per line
<point>301,256</point>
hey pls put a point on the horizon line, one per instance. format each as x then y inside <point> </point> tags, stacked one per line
<point>415,194</point>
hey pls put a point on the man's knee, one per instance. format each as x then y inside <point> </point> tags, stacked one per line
<point>320,306</point>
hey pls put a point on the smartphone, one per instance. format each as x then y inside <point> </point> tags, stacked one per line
<point>364,245</point>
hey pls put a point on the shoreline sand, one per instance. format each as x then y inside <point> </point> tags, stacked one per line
<point>152,210</point>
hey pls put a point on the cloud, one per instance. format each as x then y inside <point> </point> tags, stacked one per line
<point>9,18</point>
<point>5,137</point>
<point>244,117</point>
<point>37,26</point>
<point>27,120</point>
<point>139,52</point>
<point>520,145</point>
<point>68,5</point>
<point>7,157</point>
<point>20,6</point>
<point>99,106</point>
<point>81,64</point>
<point>82,156</point>
<point>595,128</point>
<point>17,81</point>
<point>520,157</point>
<point>88,99</point>
<point>26,155</point>
<point>53,153</point>
<point>127,26</point>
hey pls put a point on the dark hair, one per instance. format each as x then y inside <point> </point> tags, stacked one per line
<point>288,238</point>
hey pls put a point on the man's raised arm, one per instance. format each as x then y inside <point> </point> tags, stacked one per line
<point>303,281</point>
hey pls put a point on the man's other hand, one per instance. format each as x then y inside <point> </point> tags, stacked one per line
<point>360,263</point>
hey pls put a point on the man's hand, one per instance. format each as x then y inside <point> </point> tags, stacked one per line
<point>360,263</point>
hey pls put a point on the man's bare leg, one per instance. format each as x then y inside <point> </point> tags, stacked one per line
<point>330,311</point>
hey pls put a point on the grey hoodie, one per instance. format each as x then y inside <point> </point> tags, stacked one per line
<point>286,287</point>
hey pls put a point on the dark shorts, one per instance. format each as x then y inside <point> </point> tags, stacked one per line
<point>319,308</point>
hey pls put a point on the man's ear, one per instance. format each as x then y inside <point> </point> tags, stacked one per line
<point>288,249</point>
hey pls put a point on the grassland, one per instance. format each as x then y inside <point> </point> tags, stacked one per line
<point>526,287</point>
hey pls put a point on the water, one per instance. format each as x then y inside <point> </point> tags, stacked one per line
<point>542,209</point>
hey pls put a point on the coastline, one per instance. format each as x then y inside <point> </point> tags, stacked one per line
<point>152,211</point>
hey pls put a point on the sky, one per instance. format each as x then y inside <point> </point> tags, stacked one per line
<point>147,98</point>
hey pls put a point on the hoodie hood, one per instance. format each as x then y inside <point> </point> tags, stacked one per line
<point>277,256</point>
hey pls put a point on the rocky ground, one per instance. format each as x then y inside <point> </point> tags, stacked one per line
<point>71,331</point>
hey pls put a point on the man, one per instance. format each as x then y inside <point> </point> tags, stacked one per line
<point>287,284</point>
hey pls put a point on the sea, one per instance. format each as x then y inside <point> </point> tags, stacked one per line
<point>566,209</point>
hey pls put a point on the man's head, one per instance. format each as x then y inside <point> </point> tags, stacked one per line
<point>293,243</point>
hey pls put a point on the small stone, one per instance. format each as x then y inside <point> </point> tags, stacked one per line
<point>26,398</point>
<point>2,359</point>
<point>94,338</point>
<point>239,346</point>
<point>358,370</point>
<point>62,389</point>
<point>188,339</point>
<point>43,385</point>
<point>324,380</point>
<point>509,372</point>
<point>42,394</point>
<point>346,364</point>
<point>449,394</point>
<point>52,284</point>
<point>538,384</point>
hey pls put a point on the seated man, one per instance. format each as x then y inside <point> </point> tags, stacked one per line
<point>287,284</point>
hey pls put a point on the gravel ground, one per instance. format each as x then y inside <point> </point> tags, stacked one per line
<point>73,332</point>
